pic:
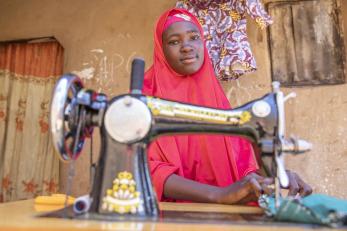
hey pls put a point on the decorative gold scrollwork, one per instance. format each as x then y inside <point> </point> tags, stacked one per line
<point>123,197</point>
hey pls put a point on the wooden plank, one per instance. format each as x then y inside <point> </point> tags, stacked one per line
<point>282,44</point>
<point>203,207</point>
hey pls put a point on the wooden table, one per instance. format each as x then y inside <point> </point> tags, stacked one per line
<point>21,215</point>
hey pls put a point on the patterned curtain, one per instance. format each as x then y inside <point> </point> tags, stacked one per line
<point>28,164</point>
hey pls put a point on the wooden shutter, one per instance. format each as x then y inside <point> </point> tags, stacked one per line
<point>306,42</point>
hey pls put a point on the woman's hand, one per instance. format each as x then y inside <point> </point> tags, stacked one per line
<point>297,186</point>
<point>249,188</point>
<point>253,185</point>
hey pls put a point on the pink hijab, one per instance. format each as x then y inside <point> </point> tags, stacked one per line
<point>210,159</point>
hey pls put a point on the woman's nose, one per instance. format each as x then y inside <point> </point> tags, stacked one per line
<point>186,47</point>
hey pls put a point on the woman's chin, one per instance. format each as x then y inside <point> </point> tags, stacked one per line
<point>188,70</point>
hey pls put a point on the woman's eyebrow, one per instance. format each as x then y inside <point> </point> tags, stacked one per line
<point>187,32</point>
<point>173,35</point>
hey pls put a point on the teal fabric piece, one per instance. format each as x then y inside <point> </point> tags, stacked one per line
<point>314,209</point>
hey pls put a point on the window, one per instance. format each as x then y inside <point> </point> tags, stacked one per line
<point>306,42</point>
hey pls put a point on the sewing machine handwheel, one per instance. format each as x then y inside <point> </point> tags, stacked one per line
<point>64,117</point>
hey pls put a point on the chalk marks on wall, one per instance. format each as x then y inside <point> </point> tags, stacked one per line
<point>86,73</point>
<point>105,71</point>
<point>239,93</point>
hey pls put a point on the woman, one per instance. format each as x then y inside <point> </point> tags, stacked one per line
<point>200,168</point>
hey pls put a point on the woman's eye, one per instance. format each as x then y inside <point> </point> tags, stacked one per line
<point>173,42</point>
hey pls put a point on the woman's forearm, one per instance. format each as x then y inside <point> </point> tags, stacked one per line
<point>179,188</point>
<point>242,191</point>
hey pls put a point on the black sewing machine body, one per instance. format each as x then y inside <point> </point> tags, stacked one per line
<point>164,118</point>
<point>128,123</point>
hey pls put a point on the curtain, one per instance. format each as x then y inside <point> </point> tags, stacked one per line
<point>28,164</point>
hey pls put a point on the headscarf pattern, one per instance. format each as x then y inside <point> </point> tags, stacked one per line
<point>224,23</point>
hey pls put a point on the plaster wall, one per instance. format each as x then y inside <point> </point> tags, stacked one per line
<point>101,37</point>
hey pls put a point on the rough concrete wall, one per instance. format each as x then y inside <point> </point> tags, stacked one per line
<point>101,37</point>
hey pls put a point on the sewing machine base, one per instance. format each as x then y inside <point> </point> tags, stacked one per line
<point>186,217</point>
<point>168,217</point>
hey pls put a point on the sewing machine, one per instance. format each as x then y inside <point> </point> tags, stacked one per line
<point>128,123</point>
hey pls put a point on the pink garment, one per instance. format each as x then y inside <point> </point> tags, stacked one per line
<point>210,159</point>
<point>175,18</point>
<point>224,23</point>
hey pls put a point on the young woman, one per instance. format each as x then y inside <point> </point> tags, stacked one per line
<point>200,168</point>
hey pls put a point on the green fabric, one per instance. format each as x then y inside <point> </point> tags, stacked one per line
<point>314,209</point>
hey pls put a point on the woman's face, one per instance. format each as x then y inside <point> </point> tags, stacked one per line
<point>183,47</point>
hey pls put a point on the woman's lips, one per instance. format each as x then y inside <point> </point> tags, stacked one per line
<point>189,60</point>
